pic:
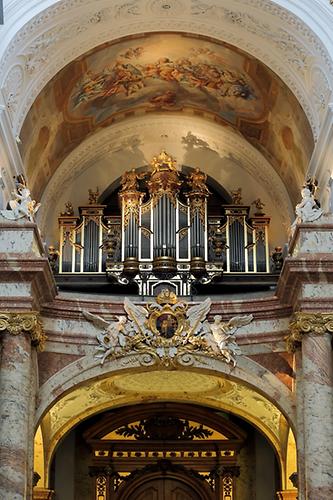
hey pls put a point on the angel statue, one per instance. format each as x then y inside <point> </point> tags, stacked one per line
<point>22,205</point>
<point>111,335</point>
<point>307,210</point>
<point>223,333</point>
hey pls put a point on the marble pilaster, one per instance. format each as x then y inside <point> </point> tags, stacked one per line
<point>312,334</point>
<point>20,334</point>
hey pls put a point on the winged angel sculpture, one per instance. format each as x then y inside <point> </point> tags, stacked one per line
<point>142,332</point>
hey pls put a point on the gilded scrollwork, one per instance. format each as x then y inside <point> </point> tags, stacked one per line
<point>16,323</point>
<point>168,332</point>
<point>306,323</point>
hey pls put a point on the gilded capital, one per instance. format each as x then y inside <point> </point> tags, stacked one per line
<point>303,323</point>
<point>16,323</point>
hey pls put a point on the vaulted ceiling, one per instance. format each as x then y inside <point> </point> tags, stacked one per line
<point>166,73</point>
<point>239,90</point>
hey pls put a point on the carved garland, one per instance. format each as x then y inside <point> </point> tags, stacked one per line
<point>303,323</point>
<point>29,322</point>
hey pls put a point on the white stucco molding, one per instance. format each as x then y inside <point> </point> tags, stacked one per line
<point>39,38</point>
<point>321,164</point>
<point>10,159</point>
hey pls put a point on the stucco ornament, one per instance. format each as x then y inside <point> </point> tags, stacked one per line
<point>167,332</point>
<point>307,210</point>
<point>22,206</point>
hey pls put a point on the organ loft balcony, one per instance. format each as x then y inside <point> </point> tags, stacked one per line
<point>165,226</point>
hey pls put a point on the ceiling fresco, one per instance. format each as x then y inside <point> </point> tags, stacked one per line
<point>165,73</point>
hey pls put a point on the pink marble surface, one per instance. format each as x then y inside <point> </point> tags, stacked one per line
<point>278,363</point>
<point>317,388</point>
<point>15,408</point>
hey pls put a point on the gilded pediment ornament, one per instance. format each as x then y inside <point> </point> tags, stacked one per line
<point>16,323</point>
<point>304,323</point>
<point>168,332</point>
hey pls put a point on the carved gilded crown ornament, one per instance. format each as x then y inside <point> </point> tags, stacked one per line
<point>167,332</point>
<point>305,323</point>
<point>16,323</point>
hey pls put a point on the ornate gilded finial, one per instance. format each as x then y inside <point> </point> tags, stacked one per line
<point>69,210</point>
<point>163,162</point>
<point>130,180</point>
<point>236,196</point>
<point>166,296</point>
<point>259,206</point>
<point>197,182</point>
<point>93,196</point>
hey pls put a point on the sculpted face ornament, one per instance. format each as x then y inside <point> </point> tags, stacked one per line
<point>167,332</point>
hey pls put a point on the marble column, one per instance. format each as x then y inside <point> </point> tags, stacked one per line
<point>312,334</point>
<point>20,333</point>
<point>300,424</point>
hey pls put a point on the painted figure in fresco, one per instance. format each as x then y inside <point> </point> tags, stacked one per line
<point>130,180</point>
<point>128,78</point>
<point>197,181</point>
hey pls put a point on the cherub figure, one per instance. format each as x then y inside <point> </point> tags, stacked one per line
<point>69,209</point>
<point>197,181</point>
<point>222,333</point>
<point>93,196</point>
<point>163,162</point>
<point>236,196</point>
<point>307,210</point>
<point>111,335</point>
<point>259,206</point>
<point>22,205</point>
<point>130,180</point>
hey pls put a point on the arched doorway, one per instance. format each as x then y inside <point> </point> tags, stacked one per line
<point>166,485</point>
<point>164,450</point>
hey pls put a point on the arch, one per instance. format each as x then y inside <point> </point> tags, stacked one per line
<point>87,369</point>
<point>69,386</point>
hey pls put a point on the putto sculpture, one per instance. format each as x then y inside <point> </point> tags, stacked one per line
<point>22,206</point>
<point>307,210</point>
<point>167,332</point>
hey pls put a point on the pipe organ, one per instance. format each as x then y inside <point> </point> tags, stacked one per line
<point>165,234</point>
